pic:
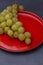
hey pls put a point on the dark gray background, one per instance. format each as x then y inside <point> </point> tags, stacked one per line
<point>34,57</point>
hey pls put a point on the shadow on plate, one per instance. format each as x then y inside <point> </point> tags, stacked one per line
<point>23,53</point>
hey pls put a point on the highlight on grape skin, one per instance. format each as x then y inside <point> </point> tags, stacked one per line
<point>10,25</point>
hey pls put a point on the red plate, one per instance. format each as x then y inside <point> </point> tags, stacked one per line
<point>31,23</point>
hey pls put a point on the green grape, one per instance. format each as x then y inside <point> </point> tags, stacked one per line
<point>18,24</point>
<point>14,11</point>
<point>14,19</point>
<point>27,41</point>
<point>0,25</point>
<point>15,35</point>
<point>4,12</point>
<point>21,37</point>
<point>10,33</point>
<point>15,6</point>
<point>9,8</point>
<point>27,34</point>
<point>9,22</point>
<point>9,16</point>
<point>21,7</point>
<point>14,27</point>
<point>21,30</point>
<point>3,24</point>
<point>2,18</point>
<point>15,15</point>
<point>1,31</point>
<point>6,29</point>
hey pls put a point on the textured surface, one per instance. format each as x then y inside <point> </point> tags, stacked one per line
<point>34,57</point>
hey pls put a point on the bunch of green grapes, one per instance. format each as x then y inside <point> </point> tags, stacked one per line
<point>10,25</point>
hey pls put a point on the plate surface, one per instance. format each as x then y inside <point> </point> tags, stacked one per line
<point>31,23</point>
